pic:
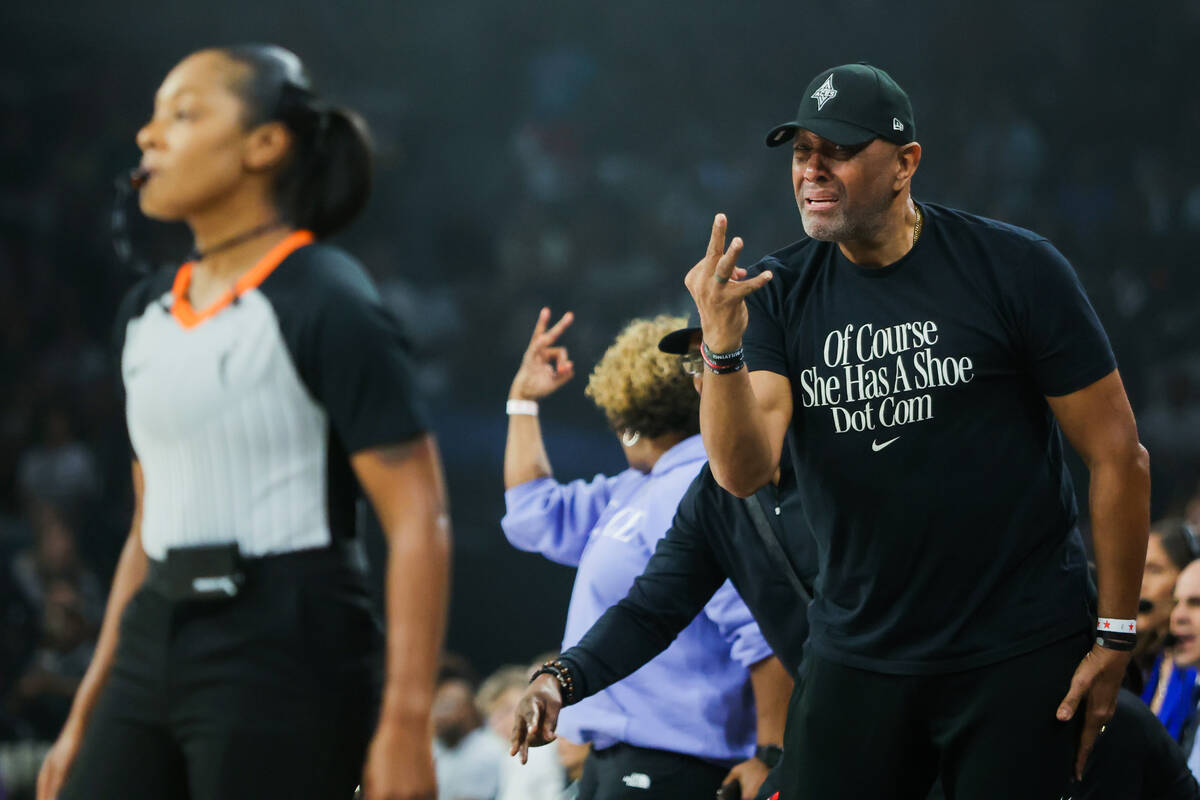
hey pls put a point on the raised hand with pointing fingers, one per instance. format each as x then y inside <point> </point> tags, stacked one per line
<point>719,288</point>
<point>545,367</point>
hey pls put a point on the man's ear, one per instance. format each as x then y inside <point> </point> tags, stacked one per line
<point>908,158</point>
<point>267,146</point>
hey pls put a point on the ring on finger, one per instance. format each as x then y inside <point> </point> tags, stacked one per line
<point>720,278</point>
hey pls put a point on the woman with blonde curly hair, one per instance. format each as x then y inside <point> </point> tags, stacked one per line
<point>677,726</point>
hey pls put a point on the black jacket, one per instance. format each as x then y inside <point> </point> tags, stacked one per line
<point>712,538</point>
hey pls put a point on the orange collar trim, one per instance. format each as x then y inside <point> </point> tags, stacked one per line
<point>188,317</point>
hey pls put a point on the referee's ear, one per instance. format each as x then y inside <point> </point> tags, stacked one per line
<point>267,145</point>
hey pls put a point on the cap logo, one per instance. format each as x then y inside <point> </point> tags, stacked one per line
<point>826,93</point>
<point>897,125</point>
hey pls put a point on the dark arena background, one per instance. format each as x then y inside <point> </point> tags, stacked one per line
<point>569,155</point>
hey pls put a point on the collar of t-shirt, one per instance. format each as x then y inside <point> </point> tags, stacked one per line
<point>895,266</point>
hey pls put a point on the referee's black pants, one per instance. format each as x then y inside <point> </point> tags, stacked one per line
<point>271,694</point>
<point>989,733</point>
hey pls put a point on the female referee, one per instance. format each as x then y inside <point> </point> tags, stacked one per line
<point>265,385</point>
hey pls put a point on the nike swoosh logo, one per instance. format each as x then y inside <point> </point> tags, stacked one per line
<point>876,446</point>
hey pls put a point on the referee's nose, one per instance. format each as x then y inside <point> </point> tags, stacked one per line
<point>146,136</point>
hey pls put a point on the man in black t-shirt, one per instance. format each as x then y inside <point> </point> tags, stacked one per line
<point>928,362</point>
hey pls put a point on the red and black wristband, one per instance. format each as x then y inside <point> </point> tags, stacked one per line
<point>722,363</point>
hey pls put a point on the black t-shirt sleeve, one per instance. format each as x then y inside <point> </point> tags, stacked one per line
<point>679,579</point>
<point>1064,343</point>
<point>350,351</point>
<point>765,341</point>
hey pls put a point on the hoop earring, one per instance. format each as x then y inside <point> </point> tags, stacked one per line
<point>630,438</point>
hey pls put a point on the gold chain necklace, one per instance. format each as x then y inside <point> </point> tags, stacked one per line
<point>917,227</point>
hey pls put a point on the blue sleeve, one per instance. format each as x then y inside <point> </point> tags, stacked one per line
<point>737,625</point>
<point>555,519</point>
<point>677,582</point>
<point>1064,343</point>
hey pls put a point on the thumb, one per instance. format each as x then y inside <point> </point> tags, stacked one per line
<point>518,735</point>
<point>1070,703</point>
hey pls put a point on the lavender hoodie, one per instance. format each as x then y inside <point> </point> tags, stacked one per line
<point>694,697</point>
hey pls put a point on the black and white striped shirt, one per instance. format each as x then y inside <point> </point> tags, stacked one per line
<point>243,416</point>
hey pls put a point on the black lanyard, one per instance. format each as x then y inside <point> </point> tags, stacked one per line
<point>774,547</point>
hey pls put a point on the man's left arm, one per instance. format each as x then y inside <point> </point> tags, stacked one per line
<point>1099,424</point>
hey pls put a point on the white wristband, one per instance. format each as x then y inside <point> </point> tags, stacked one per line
<point>528,407</point>
<point>1109,625</point>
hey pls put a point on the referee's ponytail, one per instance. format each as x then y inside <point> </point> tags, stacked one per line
<point>326,179</point>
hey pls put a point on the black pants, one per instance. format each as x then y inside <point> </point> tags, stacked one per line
<point>624,772</point>
<point>989,732</point>
<point>271,694</point>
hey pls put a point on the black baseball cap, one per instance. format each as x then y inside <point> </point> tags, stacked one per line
<point>851,104</point>
<point>679,341</point>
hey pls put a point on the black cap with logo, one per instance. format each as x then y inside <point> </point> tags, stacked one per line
<point>851,104</point>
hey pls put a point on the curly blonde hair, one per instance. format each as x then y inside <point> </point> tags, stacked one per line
<point>640,388</point>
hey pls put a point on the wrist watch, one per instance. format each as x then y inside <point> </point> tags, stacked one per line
<point>769,754</point>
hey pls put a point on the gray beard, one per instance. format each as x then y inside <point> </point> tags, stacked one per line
<point>862,225</point>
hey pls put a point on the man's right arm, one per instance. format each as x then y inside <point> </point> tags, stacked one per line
<point>743,419</point>
<point>743,416</point>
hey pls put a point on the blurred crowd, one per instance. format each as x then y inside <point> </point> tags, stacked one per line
<point>589,186</point>
<point>472,725</point>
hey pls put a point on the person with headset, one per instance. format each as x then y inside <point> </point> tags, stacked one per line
<point>265,387</point>
<point>1165,686</point>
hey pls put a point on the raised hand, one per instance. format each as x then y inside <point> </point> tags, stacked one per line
<point>536,717</point>
<point>719,287</point>
<point>545,367</point>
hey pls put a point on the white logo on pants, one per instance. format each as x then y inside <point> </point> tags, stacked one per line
<point>637,780</point>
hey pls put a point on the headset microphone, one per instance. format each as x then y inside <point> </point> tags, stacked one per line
<point>126,184</point>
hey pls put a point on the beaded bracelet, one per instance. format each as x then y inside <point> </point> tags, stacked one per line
<point>561,673</point>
